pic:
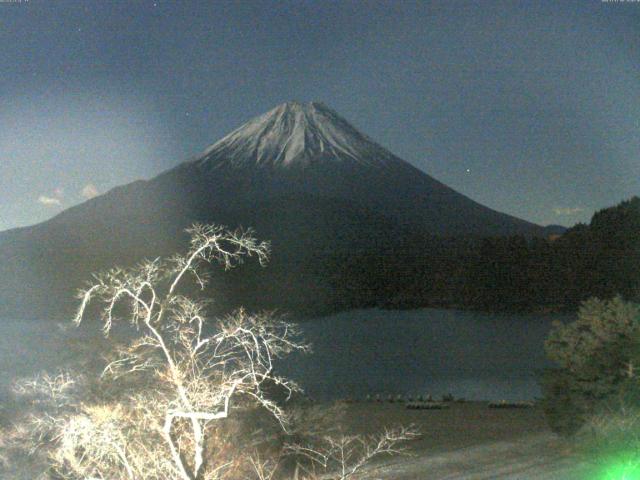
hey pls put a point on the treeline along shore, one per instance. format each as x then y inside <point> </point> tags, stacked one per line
<point>515,273</point>
<point>330,267</point>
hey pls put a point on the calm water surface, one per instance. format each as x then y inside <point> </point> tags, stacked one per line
<point>428,351</point>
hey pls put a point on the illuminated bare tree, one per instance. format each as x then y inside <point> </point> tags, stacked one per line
<point>155,412</point>
<point>181,374</point>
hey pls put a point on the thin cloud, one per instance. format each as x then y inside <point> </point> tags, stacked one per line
<point>89,191</point>
<point>49,201</point>
<point>567,211</point>
<point>54,200</point>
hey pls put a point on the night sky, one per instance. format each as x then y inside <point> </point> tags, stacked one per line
<point>531,108</point>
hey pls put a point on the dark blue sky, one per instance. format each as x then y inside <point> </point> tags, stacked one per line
<point>532,108</point>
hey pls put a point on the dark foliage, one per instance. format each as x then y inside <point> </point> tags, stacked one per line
<point>601,259</point>
<point>597,359</point>
<point>562,403</point>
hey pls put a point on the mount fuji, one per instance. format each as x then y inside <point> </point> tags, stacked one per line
<point>307,148</point>
<point>336,205</point>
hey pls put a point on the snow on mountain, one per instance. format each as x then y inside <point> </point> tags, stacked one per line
<point>295,133</point>
<point>308,149</point>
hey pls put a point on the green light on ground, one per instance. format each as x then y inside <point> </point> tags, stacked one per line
<point>624,470</point>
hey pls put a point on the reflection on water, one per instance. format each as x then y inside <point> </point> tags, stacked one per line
<point>428,351</point>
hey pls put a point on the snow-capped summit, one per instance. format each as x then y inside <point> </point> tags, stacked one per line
<point>295,133</point>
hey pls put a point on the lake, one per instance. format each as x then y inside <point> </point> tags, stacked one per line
<point>428,351</point>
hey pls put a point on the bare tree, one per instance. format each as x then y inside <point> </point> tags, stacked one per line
<point>156,411</point>
<point>342,457</point>
<point>177,376</point>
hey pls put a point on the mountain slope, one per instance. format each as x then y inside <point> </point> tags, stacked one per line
<point>335,204</point>
<point>309,148</point>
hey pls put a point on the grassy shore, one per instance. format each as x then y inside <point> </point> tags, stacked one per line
<point>461,425</point>
<point>469,441</point>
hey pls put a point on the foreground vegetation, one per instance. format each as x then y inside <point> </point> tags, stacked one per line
<point>185,397</point>
<point>593,394</point>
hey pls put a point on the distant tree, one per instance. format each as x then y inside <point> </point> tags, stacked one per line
<point>503,273</point>
<point>616,233</point>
